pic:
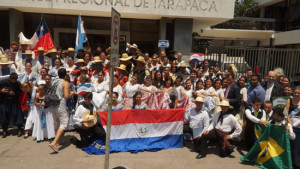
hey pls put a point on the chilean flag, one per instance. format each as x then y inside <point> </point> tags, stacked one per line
<point>44,36</point>
<point>141,130</point>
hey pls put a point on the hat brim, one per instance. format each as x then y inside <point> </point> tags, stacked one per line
<point>85,116</point>
<point>121,69</point>
<point>80,62</point>
<point>98,61</point>
<point>140,61</point>
<point>230,107</point>
<point>126,59</point>
<point>7,63</point>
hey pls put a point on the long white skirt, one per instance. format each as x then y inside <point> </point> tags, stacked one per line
<point>38,132</point>
<point>30,118</point>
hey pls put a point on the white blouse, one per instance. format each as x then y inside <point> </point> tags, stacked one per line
<point>100,87</point>
<point>131,89</point>
<point>189,93</point>
<point>151,88</point>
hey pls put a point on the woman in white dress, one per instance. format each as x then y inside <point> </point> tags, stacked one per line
<point>100,84</point>
<point>243,91</point>
<point>54,70</point>
<point>188,89</point>
<point>199,89</point>
<point>41,78</point>
<point>129,89</point>
<point>70,67</point>
<point>219,90</point>
<point>30,90</point>
<point>28,75</point>
<point>117,88</point>
<point>101,91</point>
<point>179,87</point>
<point>148,87</point>
<point>43,124</point>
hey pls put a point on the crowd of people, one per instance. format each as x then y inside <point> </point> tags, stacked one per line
<point>219,105</point>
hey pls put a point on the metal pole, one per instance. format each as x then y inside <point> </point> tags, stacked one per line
<point>108,126</point>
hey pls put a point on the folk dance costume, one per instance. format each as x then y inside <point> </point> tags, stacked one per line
<point>197,123</point>
<point>10,109</point>
<point>88,134</point>
<point>252,117</point>
<point>130,90</point>
<point>43,123</point>
<point>5,72</point>
<point>25,77</point>
<point>221,127</point>
<point>32,114</point>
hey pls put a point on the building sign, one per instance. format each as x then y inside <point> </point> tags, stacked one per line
<point>115,38</point>
<point>163,43</point>
<point>192,8</point>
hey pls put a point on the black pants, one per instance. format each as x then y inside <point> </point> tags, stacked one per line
<point>88,136</point>
<point>5,126</point>
<point>249,135</point>
<point>211,136</point>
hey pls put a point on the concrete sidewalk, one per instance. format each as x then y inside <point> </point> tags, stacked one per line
<point>19,153</point>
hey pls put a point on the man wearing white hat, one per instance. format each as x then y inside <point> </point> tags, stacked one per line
<point>220,130</point>
<point>36,66</point>
<point>6,67</point>
<point>197,120</point>
<point>52,55</point>
<point>41,58</point>
<point>21,53</point>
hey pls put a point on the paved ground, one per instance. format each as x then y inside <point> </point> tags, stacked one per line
<point>19,153</point>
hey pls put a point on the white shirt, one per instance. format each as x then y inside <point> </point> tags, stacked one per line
<point>243,92</point>
<point>151,88</point>
<point>229,123</point>
<point>100,87</point>
<point>79,113</point>
<point>270,87</point>
<point>189,93</point>
<point>220,93</point>
<point>209,91</point>
<point>179,91</point>
<point>197,119</point>
<point>269,116</point>
<point>254,119</point>
<point>131,89</point>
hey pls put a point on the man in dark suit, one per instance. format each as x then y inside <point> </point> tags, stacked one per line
<point>232,94</point>
<point>272,88</point>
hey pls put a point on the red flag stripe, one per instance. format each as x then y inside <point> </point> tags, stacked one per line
<point>143,116</point>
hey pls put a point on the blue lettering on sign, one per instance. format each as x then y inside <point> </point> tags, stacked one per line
<point>163,43</point>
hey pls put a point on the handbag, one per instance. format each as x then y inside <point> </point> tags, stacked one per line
<point>51,98</point>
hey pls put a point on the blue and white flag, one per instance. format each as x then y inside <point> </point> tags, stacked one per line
<point>80,36</point>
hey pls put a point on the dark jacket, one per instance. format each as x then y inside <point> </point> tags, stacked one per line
<point>277,89</point>
<point>234,97</point>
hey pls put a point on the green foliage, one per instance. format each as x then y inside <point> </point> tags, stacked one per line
<point>246,8</point>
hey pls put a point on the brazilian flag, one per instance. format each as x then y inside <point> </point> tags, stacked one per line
<point>272,150</point>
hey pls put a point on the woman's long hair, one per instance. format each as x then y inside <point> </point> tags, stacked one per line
<point>134,96</point>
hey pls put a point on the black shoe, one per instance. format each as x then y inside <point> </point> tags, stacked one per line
<point>4,134</point>
<point>200,156</point>
<point>19,133</point>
